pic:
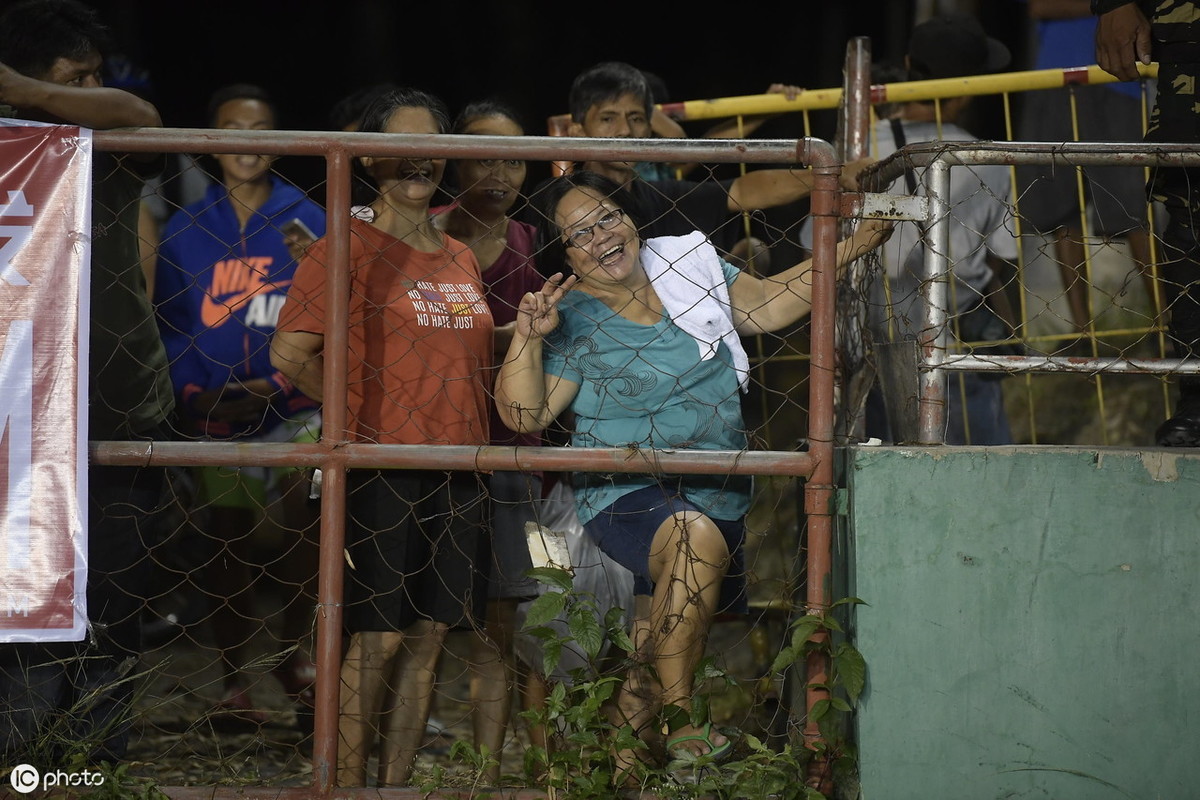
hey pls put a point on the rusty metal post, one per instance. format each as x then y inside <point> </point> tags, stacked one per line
<point>328,645</point>
<point>819,490</point>
<point>856,372</point>
<point>931,399</point>
<point>854,116</point>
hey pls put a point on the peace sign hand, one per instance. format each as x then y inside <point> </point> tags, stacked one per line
<point>537,313</point>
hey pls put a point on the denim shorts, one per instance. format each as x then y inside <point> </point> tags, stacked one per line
<point>625,531</point>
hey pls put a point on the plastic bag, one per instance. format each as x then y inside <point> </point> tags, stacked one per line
<point>595,574</point>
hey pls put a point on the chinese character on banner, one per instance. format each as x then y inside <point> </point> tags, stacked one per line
<point>45,252</point>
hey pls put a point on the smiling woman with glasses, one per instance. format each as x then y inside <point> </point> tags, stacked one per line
<point>641,343</point>
<point>580,237</point>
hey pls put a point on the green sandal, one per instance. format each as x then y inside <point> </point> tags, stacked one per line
<point>716,752</point>
<point>676,717</point>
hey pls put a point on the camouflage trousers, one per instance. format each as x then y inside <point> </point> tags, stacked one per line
<point>1176,119</point>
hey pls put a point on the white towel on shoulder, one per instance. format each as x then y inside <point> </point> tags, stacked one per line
<point>686,274</point>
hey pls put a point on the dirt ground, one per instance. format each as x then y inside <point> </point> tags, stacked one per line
<point>181,740</point>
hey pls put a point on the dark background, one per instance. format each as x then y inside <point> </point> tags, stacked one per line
<point>309,53</point>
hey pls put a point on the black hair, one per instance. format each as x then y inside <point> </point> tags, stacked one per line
<point>551,252</point>
<point>36,33</point>
<point>481,109</point>
<point>658,87</point>
<point>350,109</point>
<point>240,91</point>
<point>363,188</point>
<point>604,82</point>
<point>381,108</point>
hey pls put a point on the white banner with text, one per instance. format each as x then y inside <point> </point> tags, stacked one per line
<point>45,252</point>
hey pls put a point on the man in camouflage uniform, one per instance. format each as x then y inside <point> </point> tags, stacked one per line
<point>1167,31</point>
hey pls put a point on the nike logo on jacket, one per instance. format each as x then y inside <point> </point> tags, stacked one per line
<point>235,282</point>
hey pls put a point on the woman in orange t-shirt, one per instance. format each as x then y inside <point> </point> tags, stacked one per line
<point>420,346</point>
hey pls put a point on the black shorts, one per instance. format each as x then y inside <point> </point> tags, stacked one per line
<point>515,500</point>
<point>1049,195</point>
<point>418,549</point>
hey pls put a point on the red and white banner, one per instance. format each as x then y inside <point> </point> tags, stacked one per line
<point>45,253</point>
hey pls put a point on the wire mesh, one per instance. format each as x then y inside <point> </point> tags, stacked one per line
<point>226,602</point>
<point>224,596</point>
<point>1082,290</point>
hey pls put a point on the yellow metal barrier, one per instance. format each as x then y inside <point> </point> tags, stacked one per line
<point>824,99</point>
<point>1043,325</point>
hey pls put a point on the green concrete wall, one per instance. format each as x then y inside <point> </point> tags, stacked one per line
<point>1033,627</point>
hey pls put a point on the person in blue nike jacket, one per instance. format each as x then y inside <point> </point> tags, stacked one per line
<point>223,271</point>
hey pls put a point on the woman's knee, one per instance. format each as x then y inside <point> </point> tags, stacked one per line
<point>693,537</point>
<point>426,636</point>
<point>373,649</point>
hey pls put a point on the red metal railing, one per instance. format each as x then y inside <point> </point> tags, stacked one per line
<point>334,454</point>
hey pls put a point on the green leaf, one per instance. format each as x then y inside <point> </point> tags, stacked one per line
<point>544,609</point>
<point>803,630</point>
<point>552,576</point>
<point>542,633</point>
<point>534,762</point>
<point>819,710</point>
<point>852,669</point>
<point>754,743</point>
<point>707,669</point>
<point>551,653</point>
<point>700,710</point>
<point>604,689</point>
<point>786,658</point>
<point>614,618</point>
<point>586,630</point>
<point>585,738</point>
<point>620,639</point>
<point>461,751</point>
<point>828,726</point>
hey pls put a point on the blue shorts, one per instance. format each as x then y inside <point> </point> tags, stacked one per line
<point>625,531</point>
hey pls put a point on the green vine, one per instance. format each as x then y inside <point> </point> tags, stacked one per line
<point>579,762</point>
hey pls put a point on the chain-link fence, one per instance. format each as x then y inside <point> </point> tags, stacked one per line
<point>1060,251</point>
<point>266,539</point>
<point>956,303</point>
<point>241,576</point>
<point>1052,251</point>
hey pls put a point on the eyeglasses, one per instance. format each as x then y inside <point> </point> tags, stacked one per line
<point>582,236</point>
<point>492,163</point>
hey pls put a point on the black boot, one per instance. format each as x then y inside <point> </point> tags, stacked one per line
<point>1181,285</point>
<point>1183,429</point>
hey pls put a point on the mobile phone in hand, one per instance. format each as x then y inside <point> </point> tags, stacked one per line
<point>295,227</point>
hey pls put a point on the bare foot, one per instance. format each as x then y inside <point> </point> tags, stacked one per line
<point>629,767</point>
